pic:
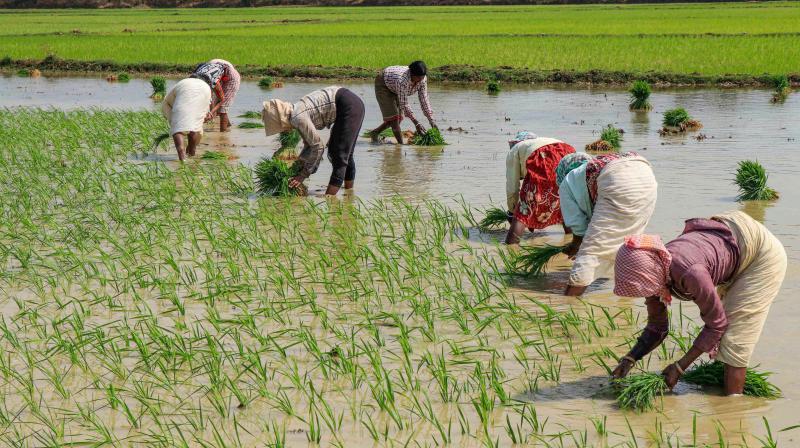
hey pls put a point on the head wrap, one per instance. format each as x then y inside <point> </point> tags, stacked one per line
<point>642,268</point>
<point>276,116</point>
<point>521,137</point>
<point>568,163</point>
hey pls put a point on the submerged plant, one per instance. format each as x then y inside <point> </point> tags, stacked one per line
<point>272,177</point>
<point>751,177</point>
<point>251,114</point>
<point>638,392</point>
<point>712,373</point>
<point>430,138</point>
<point>266,82</point>
<point>678,120</point>
<point>533,261</point>
<point>493,86</point>
<point>250,125</point>
<point>640,94</point>
<point>782,88</point>
<point>159,85</point>
<point>123,77</point>
<point>495,216</point>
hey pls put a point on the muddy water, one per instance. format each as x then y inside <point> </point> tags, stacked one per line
<point>694,180</point>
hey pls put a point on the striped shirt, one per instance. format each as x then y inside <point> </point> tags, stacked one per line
<point>230,83</point>
<point>398,80</point>
<point>314,112</point>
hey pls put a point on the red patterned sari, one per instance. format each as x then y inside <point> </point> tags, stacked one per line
<point>538,205</point>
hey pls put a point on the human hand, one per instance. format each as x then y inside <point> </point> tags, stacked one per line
<point>623,368</point>
<point>296,181</point>
<point>571,250</point>
<point>421,129</point>
<point>671,375</point>
<point>434,126</point>
<point>209,116</point>
<point>509,216</point>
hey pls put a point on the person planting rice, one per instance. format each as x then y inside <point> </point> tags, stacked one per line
<point>731,252</point>
<point>223,78</point>
<point>603,199</point>
<point>186,107</point>
<point>393,85</point>
<point>335,107</point>
<point>536,204</point>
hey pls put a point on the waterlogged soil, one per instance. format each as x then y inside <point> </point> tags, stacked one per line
<point>694,175</point>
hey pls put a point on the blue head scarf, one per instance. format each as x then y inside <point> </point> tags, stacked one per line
<point>568,163</point>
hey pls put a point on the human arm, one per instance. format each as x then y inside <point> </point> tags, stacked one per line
<point>313,147</point>
<point>220,95</point>
<point>513,176</point>
<point>652,336</point>
<point>425,102</point>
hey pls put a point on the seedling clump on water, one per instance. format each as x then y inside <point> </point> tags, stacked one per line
<point>677,121</point>
<point>493,87</point>
<point>782,88</point>
<point>495,217</point>
<point>756,384</point>
<point>430,138</point>
<point>123,77</point>
<point>751,177</point>
<point>533,261</point>
<point>214,155</point>
<point>610,138</point>
<point>251,114</point>
<point>273,175</point>
<point>640,96</point>
<point>159,85</point>
<point>639,392</point>
<point>250,125</point>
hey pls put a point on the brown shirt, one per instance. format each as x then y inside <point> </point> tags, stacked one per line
<point>704,256</point>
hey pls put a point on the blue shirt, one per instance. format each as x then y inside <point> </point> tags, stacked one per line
<point>576,205</point>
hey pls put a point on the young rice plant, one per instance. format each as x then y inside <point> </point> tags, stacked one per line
<point>751,177</point>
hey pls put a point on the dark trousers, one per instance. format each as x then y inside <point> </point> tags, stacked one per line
<point>344,134</point>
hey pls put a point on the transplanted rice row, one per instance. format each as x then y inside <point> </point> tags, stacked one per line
<point>167,305</point>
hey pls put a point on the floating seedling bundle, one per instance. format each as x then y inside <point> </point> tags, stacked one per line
<point>756,384</point>
<point>159,139</point>
<point>251,114</point>
<point>493,87</point>
<point>495,217</point>
<point>610,138</point>
<point>123,77</point>
<point>272,177</point>
<point>533,261</point>
<point>266,82</point>
<point>677,121</point>
<point>782,88</point>
<point>430,138</point>
<point>751,177</point>
<point>638,392</point>
<point>159,85</point>
<point>250,125</point>
<point>640,96</point>
<point>214,155</point>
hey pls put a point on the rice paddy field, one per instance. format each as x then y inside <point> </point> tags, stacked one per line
<point>742,39</point>
<point>149,303</point>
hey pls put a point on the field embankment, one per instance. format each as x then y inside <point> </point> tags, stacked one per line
<point>732,43</point>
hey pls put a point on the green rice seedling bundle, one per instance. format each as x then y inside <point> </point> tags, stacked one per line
<point>640,95</point>
<point>386,133</point>
<point>289,139</point>
<point>272,177</point>
<point>430,138</point>
<point>214,155</point>
<point>678,120</point>
<point>159,85</point>
<point>599,146</point>
<point>266,82</point>
<point>756,384</point>
<point>493,87</point>
<point>611,135</point>
<point>533,261</point>
<point>782,88</point>
<point>495,217</point>
<point>751,177</point>
<point>123,77</point>
<point>23,72</point>
<point>159,140</point>
<point>251,114</point>
<point>638,392</point>
<point>250,125</point>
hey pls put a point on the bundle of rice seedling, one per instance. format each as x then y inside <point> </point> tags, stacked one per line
<point>251,114</point>
<point>640,94</point>
<point>266,82</point>
<point>289,139</point>
<point>160,139</point>
<point>493,86</point>
<point>751,177</point>
<point>123,77</point>
<point>712,373</point>
<point>599,146</point>
<point>386,133</point>
<point>159,85</point>
<point>678,120</point>
<point>782,88</point>
<point>533,261</point>
<point>638,392</point>
<point>250,125</point>
<point>430,138</point>
<point>612,135</point>
<point>23,72</point>
<point>214,155</point>
<point>272,178</point>
<point>494,217</point>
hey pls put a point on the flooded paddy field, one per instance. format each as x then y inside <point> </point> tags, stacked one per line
<point>160,305</point>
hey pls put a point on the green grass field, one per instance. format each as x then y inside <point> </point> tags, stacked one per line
<point>706,39</point>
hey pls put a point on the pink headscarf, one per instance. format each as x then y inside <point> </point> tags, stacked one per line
<point>642,268</point>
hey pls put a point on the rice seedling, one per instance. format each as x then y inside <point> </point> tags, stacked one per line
<point>159,139</point>
<point>493,217</point>
<point>214,155</point>
<point>272,178</point>
<point>678,120</point>
<point>159,85</point>
<point>599,146</point>
<point>610,138</point>
<point>251,114</point>
<point>430,138</point>
<point>386,133</point>
<point>23,73</point>
<point>493,87</point>
<point>640,96</point>
<point>266,82</point>
<point>782,88</point>
<point>711,373</point>
<point>533,261</point>
<point>751,178</point>
<point>289,139</point>
<point>123,77</point>
<point>639,392</point>
<point>250,125</point>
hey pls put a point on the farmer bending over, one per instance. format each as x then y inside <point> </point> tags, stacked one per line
<point>214,74</point>
<point>229,82</point>
<point>186,107</point>
<point>731,252</point>
<point>332,106</point>
<point>393,85</point>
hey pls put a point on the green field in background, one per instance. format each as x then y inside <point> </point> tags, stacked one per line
<point>709,39</point>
